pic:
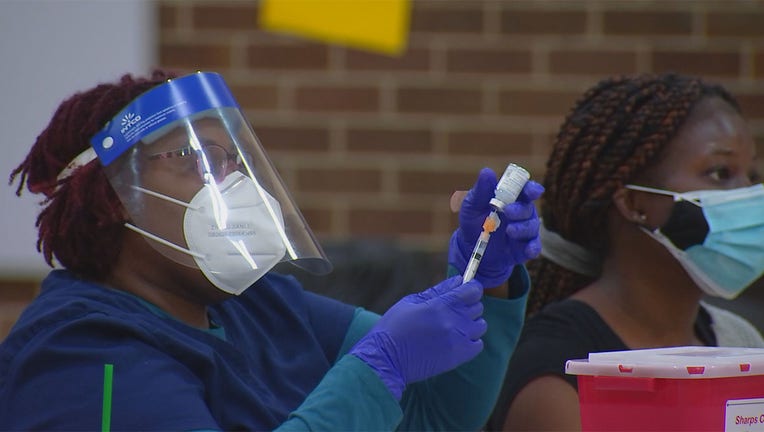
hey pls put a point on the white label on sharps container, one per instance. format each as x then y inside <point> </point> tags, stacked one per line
<point>744,415</point>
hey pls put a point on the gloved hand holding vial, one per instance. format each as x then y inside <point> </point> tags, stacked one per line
<point>507,190</point>
<point>487,207</point>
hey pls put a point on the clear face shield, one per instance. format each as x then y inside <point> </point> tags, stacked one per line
<point>200,188</point>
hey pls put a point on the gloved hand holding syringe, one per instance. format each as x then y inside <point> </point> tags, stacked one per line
<point>507,190</point>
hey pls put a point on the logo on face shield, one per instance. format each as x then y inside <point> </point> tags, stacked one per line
<point>128,121</point>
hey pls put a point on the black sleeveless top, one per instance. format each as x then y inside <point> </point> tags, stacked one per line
<point>562,331</point>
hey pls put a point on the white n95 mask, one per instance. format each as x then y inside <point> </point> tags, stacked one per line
<point>236,228</point>
<point>233,229</point>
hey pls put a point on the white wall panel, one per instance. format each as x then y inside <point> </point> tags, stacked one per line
<point>50,49</point>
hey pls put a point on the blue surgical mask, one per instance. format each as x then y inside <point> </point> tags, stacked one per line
<point>716,235</point>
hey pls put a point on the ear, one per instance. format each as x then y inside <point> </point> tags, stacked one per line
<point>627,204</point>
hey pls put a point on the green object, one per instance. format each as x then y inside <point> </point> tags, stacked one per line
<point>108,375</point>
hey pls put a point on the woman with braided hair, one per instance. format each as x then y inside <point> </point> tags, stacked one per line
<point>651,202</point>
<point>165,217</point>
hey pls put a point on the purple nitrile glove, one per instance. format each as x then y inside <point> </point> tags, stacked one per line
<point>425,334</point>
<point>514,242</point>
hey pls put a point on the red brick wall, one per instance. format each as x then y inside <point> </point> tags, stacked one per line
<point>372,145</point>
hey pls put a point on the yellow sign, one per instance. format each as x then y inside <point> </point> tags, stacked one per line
<point>375,25</point>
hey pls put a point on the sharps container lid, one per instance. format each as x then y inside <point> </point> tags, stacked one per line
<point>675,362</point>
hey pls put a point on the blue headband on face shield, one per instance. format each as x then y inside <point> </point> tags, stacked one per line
<point>717,236</point>
<point>160,107</point>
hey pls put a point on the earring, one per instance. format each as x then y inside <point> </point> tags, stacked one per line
<point>641,217</point>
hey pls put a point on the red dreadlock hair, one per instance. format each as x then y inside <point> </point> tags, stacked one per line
<point>81,223</point>
<point>614,132</point>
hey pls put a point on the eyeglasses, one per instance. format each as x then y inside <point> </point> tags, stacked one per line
<point>211,159</point>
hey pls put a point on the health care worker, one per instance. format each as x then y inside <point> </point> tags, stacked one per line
<point>166,317</point>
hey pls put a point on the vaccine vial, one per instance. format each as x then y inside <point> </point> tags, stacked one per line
<point>510,185</point>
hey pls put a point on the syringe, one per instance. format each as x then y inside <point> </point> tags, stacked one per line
<point>507,190</point>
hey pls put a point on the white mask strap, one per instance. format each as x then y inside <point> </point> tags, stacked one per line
<point>677,196</point>
<point>164,197</point>
<point>157,238</point>
<point>163,241</point>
